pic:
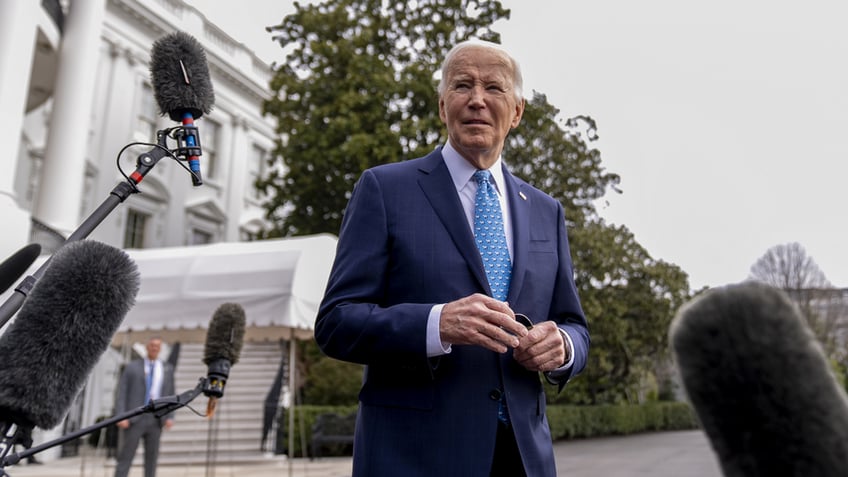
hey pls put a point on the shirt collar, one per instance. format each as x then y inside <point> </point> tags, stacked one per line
<point>461,170</point>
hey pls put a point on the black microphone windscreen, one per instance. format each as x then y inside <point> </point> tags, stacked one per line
<point>13,267</point>
<point>225,336</point>
<point>64,327</point>
<point>180,76</point>
<point>761,384</point>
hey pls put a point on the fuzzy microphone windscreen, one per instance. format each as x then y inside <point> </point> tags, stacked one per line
<point>760,384</point>
<point>225,336</point>
<point>13,267</point>
<point>61,331</point>
<point>180,76</point>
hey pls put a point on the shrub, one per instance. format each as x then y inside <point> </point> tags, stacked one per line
<point>566,421</point>
<point>569,422</point>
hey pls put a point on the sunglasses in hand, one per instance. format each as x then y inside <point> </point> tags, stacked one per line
<point>524,320</point>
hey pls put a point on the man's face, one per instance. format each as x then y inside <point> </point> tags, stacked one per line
<point>153,348</point>
<point>479,105</point>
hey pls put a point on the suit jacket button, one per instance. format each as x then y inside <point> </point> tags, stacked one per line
<point>495,394</point>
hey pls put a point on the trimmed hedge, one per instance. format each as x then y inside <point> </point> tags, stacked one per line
<point>570,422</point>
<point>304,418</point>
<point>566,422</point>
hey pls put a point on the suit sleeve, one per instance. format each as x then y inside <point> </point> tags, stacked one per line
<point>356,320</point>
<point>566,308</point>
<point>168,385</point>
<point>121,404</point>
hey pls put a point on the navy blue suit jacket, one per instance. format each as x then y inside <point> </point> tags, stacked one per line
<point>132,385</point>
<point>405,245</point>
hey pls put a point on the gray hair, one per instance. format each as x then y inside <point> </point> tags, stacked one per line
<point>517,79</point>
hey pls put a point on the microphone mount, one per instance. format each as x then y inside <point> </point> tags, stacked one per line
<point>188,146</point>
<point>219,371</point>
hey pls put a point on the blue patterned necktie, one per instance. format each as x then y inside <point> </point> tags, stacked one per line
<point>490,237</point>
<point>149,384</point>
<point>491,240</point>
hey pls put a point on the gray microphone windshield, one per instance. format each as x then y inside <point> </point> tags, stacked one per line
<point>223,345</point>
<point>180,76</point>
<point>62,330</point>
<point>760,384</point>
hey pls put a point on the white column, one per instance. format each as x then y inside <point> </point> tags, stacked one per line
<point>235,153</point>
<point>61,187</point>
<point>17,48</point>
<point>118,84</point>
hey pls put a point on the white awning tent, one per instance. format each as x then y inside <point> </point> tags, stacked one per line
<point>278,282</point>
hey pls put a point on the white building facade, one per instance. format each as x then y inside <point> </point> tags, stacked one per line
<point>88,94</point>
<point>75,90</point>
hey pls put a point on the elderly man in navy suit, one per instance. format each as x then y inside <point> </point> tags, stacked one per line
<point>453,284</point>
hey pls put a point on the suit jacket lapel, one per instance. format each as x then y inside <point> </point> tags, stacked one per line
<point>438,187</point>
<point>519,209</point>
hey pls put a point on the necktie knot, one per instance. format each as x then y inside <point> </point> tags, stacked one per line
<point>482,177</point>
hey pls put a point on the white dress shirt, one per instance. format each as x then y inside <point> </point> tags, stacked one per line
<point>156,385</point>
<point>462,172</point>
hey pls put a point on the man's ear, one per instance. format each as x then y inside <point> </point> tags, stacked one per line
<point>519,112</point>
<point>442,110</point>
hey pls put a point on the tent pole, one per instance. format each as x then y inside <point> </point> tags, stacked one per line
<point>292,369</point>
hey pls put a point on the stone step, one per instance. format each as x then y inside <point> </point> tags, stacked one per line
<point>218,457</point>
<point>195,364</point>
<point>235,433</point>
<point>244,437</point>
<point>235,389</point>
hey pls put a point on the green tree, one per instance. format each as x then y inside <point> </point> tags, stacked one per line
<point>357,89</point>
<point>628,297</point>
<point>332,383</point>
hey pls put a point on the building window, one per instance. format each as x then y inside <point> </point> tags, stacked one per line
<point>145,129</point>
<point>208,131</point>
<point>248,235</point>
<point>200,237</point>
<point>205,223</point>
<point>134,232</point>
<point>255,164</point>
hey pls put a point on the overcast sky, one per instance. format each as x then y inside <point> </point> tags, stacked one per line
<point>726,120</point>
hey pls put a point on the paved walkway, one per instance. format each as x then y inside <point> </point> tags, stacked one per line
<point>663,454</point>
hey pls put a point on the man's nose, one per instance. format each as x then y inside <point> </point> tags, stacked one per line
<point>477,95</point>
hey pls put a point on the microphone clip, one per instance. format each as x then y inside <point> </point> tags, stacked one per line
<point>219,371</point>
<point>12,434</point>
<point>188,141</point>
<point>187,149</point>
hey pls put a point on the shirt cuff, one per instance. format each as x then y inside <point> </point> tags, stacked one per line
<point>435,347</point>
<point>552,376</point>
<point>569,347</point>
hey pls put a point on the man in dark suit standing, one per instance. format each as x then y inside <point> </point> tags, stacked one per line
<point>142,381</point>
<point>438,258</point>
